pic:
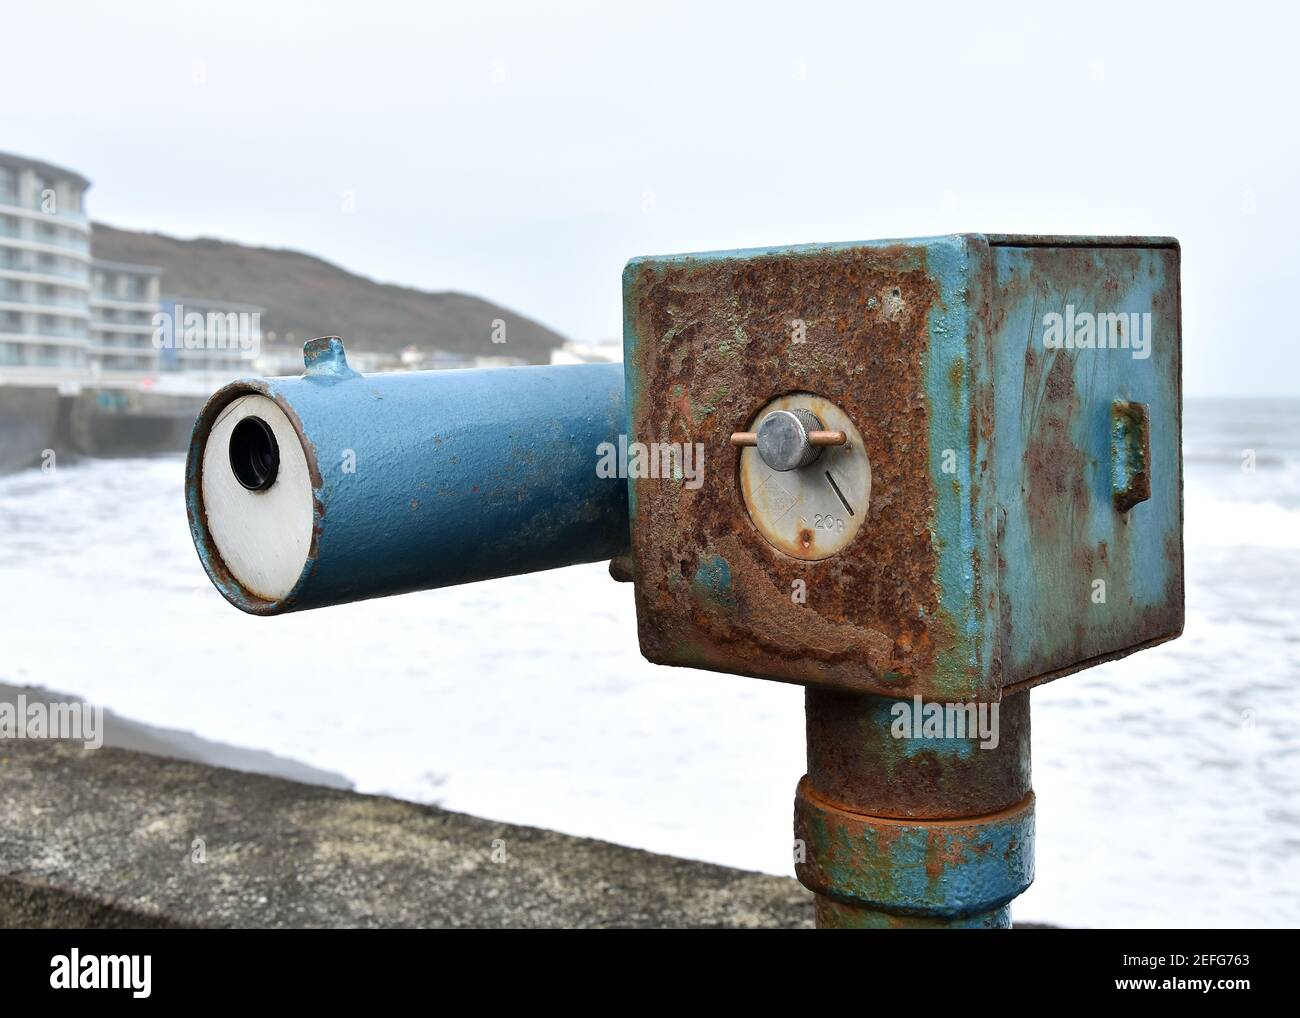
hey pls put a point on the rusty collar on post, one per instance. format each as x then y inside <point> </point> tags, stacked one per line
<point>912,831</point>
<point>938,869</point>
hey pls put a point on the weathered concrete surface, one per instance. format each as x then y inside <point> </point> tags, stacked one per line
<point>107,838</point>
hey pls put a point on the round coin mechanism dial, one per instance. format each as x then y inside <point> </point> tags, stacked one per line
<point>804,476</point>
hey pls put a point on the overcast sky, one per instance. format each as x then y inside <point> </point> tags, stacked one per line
<point>525,151</point>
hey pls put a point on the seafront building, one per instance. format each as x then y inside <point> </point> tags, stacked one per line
<point>212,337</point>
<point>44,266</point>
<point>69,317</point>
<point>124,300</point>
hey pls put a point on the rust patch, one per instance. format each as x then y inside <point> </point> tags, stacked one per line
<point>1055,468</point>
<point>726,328</point>
<point>855,763</point>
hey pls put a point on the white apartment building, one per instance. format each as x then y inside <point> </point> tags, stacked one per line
<point>44,265</point>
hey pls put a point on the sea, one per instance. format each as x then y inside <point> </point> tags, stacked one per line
<point>1168,783</point>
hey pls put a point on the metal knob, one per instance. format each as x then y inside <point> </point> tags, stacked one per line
<point>789,439</point>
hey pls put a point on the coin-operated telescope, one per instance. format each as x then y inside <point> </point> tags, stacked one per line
<point>916,477</point>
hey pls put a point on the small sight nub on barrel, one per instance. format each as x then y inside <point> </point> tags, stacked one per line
<point>254,454</point>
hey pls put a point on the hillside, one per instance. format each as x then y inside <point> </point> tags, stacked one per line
<point>307,297</point>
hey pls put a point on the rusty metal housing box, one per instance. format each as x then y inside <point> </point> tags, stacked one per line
<point>1019,399</point>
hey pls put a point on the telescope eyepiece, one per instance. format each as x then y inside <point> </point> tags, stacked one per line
<point>254,454</point>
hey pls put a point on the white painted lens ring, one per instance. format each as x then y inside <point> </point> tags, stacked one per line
<point>256,546</point>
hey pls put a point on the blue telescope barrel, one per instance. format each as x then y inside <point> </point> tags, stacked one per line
<point>334,486</point>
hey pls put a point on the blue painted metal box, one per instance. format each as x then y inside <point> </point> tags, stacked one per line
<point>1019,401</point>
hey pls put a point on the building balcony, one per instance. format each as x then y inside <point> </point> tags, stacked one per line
<point>124,304</point>
<point>46,308</point>
<point>45,338</point>
<point>73,220</point>
<point>16,300</point>
<point>128,328</point>
<point>49,277</point>
<point>113,350</point>
<point>15,241</point>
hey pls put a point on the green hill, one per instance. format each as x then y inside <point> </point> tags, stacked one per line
<point>306,296</point>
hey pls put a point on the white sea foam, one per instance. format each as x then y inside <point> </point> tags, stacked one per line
<point>1225,523</point>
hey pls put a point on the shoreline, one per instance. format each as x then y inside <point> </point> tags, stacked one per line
<point>175,744</point>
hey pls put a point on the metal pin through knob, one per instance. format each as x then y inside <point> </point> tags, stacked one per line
<point>789,439</point>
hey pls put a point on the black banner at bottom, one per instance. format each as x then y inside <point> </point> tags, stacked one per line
<point>301,967</point>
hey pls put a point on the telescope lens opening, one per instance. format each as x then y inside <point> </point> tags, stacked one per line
<point>254,454</point>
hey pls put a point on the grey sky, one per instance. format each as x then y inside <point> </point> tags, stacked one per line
<point>525,151</point>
